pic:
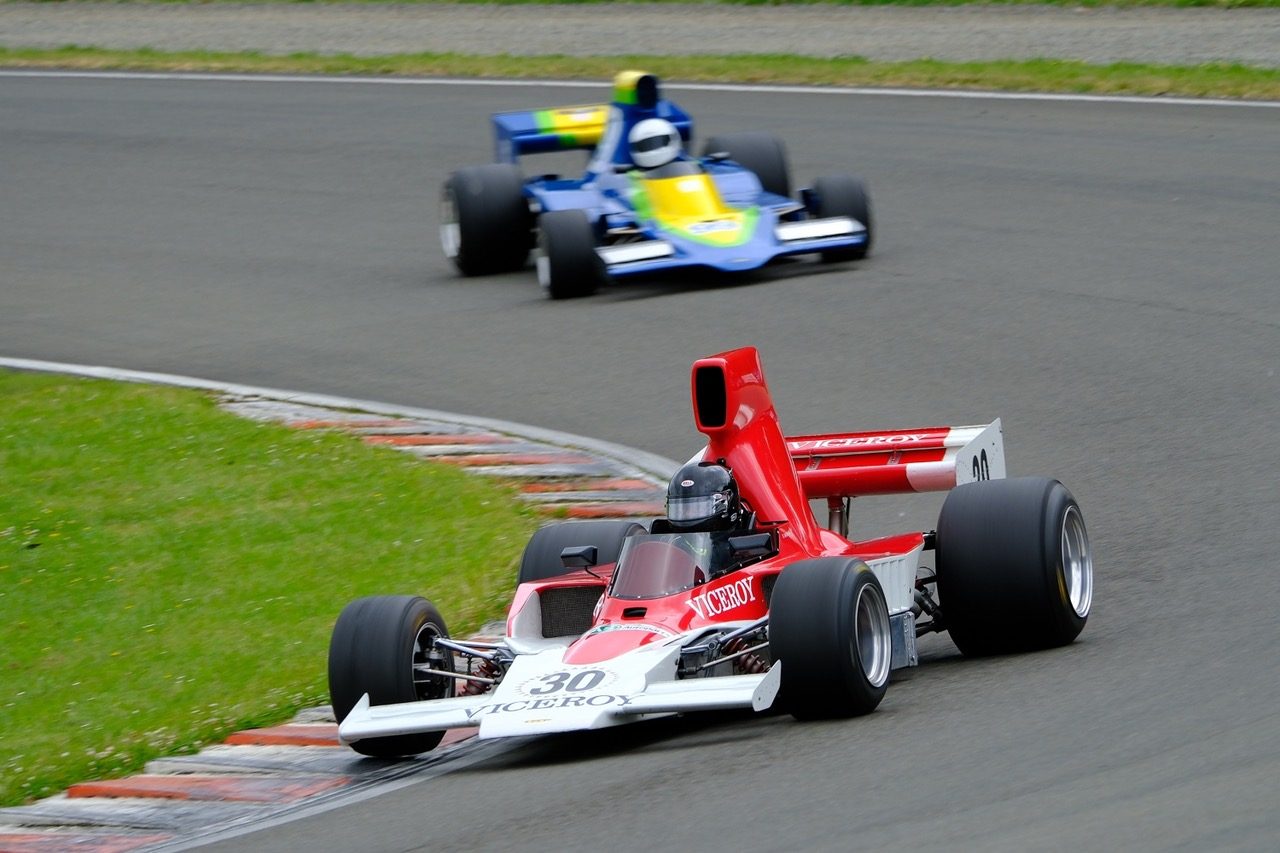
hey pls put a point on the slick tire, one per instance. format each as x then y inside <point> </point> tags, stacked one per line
<point>568,266</point>
<point>841,195</point>
<point>541,559</point>
<point>1015,570</point>
<point>486,226</point>
<point>375,645</point>
<point>759,152</point>
<point>829,625</point>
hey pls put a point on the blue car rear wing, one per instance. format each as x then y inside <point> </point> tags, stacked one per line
<point>540,131</point>
<point>581,128</point>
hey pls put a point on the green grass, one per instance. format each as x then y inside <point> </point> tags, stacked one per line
<point>1039,75</point>
<point>170,572</point>
<point>1221,4</point>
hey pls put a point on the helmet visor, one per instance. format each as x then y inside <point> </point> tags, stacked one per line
<point>653,143</point>
<point>697,507</point>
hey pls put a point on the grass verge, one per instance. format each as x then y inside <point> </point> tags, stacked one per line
<point>170,572</point>
<point>1219,4</point>
<point>1038,75</point>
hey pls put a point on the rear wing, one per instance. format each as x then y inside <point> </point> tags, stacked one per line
<point>897,461</point>
<point>577,128</point>
<point>540,131</point>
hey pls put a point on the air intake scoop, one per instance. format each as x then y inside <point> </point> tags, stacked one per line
<point>732,407</point>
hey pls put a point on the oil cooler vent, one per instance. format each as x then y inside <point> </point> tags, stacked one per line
<point>568,610</point>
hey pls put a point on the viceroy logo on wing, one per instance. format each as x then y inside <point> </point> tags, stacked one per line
<point>598,700</point>
<point>848,442</point>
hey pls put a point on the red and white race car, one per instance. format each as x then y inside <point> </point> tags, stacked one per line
<point>739,598</point>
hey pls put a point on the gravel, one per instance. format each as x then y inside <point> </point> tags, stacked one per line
<point>1156,35</point>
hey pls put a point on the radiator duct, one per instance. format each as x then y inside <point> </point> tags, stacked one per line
<point>568,611</point>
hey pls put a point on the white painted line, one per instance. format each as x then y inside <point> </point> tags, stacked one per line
<point>972,95</point>
<point>641,465</point>
<point>679,87</point>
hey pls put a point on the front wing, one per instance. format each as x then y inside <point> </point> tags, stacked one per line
<point>540,694</point>
<point>771,241</point>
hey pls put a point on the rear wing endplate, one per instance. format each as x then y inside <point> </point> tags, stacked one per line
<point>897,461</point>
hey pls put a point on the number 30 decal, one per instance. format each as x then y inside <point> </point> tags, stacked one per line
<point>585,680</point>
<point>981,467</point>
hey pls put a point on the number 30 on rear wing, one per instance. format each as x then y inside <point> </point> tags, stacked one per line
<point>930,459</point>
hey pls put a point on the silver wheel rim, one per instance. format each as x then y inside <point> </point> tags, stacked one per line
<point>1077,562</point>
<point>424,685</point>
<point>872,642</point>
<point>450,232</point>
<point>543,265</point>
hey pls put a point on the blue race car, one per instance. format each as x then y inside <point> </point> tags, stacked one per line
<point>643,205</point>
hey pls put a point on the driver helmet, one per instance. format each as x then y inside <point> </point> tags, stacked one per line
<point>703,496</point>
<point>653,142</point>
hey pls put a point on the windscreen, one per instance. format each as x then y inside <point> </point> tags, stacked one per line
<point>658,564</point>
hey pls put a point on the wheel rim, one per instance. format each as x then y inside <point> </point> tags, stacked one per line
<point>450,232</point>
<point>427,686</point>
<point>871,635</point>
<point>1077,562</point>
<point>543,265</point>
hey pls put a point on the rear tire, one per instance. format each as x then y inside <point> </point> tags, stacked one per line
<point>541,558</point>
<point>1015,570</point>
<point>841,195</point>
<point>375,645</point>
<point>759,152</point>
<point>568,265</point>
<point>829,625</point>
<point>485,223</point>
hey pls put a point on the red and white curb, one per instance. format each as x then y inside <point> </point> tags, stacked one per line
<point>253,779</point>
<point>269,775</point>
<point>561,477</point>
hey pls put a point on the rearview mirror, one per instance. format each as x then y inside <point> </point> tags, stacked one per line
<point>750,546</point>
<point>579,556</point>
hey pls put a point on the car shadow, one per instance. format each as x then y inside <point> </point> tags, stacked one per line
<point>705,279</point>
<point>666,733</point>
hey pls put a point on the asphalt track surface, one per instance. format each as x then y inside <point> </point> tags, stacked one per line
<point>1103,276</point>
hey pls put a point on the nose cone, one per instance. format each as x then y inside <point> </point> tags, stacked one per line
<point>608,641</point>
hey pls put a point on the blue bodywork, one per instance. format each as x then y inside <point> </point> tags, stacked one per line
<point>606,192</point>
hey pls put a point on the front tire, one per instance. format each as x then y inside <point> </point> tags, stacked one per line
<point>758,152</point>
<point>829,625</point>
<point>568,265</point>
<point>485,223</point>
<point>841,195</point>
<point>541,558</point>
<point>1015,570</point>
<point>376,644</point>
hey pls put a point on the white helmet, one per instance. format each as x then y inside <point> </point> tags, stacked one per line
<point>654,142</point>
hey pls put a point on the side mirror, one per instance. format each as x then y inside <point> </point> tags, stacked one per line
<point>751,546</point>
<point>579,556</point>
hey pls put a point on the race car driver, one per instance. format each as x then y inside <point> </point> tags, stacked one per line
<point>703,498</point>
